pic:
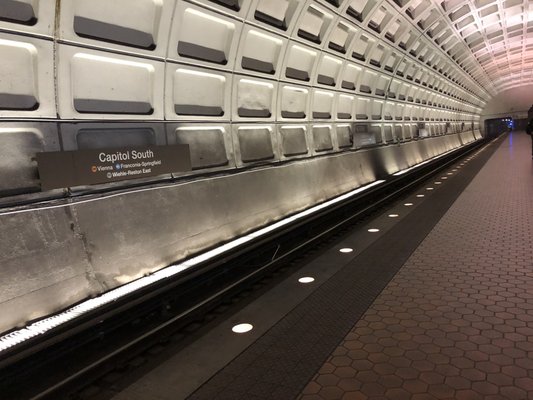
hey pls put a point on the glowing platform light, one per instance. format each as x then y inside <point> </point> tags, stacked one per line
<point>393,215</point>
<point>373,230</point>
<point>242,328</point>
<point>408,204</point>
<point>420,195</point>
<point>429,188</point>
<point>437,182</point>
<point>346,250</point>
<point>306,279</point>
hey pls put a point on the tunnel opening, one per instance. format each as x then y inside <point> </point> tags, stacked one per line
<point>496,126</point>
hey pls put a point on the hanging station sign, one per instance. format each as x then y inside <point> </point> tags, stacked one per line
<point>61,169</point>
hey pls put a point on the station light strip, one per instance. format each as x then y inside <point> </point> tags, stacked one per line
<point>44,325</point>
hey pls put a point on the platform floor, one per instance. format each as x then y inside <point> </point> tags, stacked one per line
<point>436,305</point>
<point>456,322</point>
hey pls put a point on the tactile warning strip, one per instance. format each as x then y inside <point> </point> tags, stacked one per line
<point>281,362</point>
<point>456,321</point>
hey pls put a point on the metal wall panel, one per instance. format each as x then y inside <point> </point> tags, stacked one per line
<point>345,107</point>
<point>253,99</point>
<point>35,17</point>
<point>20,142</point>
<point>328,71</point>
<point>27,71</point>
<point>344,136</point>
<point>351,76</point>
<point>134,26</point>
<point>260,52</point>
<point>280,15</point>
<point>210,145</point>
<point>293,102</point>
<point>322,138</point>
<point>300,63</point>
<point>340,37</point>
<point>194,93</point>
<point>293,141</point>
<point>362,108</point>
<point>313,25</point>
<point>254,144</point>
<point>322,105</point>
<point>98,85</point>
<point>203,37</point>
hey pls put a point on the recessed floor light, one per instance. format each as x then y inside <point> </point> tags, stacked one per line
<point>373,230</point>
<point>420,195</point>
<point>393,215</point>
<point>429,188</point>
<point>408,204</point>
<point>306,279</point>
<point>437,183</point>
<point>443,177</point>
<point>449,173</point>
<point>242,328</point>
<point>346,250</point>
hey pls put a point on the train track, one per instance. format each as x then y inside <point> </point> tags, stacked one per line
<point>115,337</point>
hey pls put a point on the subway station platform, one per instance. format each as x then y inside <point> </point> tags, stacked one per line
<point>432,298</point>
